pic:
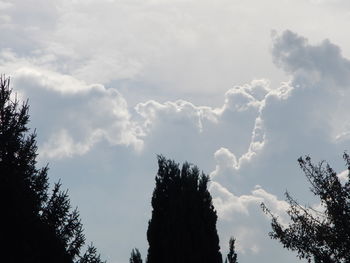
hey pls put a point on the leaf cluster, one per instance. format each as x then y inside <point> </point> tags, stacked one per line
<point>319,235</point>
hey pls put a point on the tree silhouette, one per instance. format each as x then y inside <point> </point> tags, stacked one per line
<point>135,256</point>
<point>37,226</point>
<point>232,255</point>
<point>321,235</point>
<point>90,256</point>
<point>183,224</point>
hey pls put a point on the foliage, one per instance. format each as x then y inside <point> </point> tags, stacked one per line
<point>37,226</point>
<point>183,224</point>
<point>90,256</point>
<point>232,255</point>
<point>135,256</point>
<point>322,236</point>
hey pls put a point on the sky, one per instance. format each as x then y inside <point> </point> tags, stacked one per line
<point>241,89</point>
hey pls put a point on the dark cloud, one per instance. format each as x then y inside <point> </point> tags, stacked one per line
<point>322,63</point>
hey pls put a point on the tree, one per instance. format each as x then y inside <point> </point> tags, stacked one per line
<point>183,224</point>
<point>232,255</point>
<point>135,256</point>
<point>321,235</point>
<point>37,226</point>
<point>90,256</point>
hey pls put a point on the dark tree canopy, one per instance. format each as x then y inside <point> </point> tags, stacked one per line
<point>37,226</point>
<point>183,224</point>
<point>135,256</point>
<point>232,255</point>
<point>321,236</point>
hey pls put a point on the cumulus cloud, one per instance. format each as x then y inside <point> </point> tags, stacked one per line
<point>311,64</point>
<point>303,116</point>
<point>71,115</point>
<point>212,128</point>
<point>324,72</point>
<point>61,144</point>
<point>227,204</point>
<point>293,119</point>
<point>86,120</point>
<point>243,216</point>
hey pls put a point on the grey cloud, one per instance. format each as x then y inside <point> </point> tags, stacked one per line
<point>316,63</point>
<point>323,70</point>
<point>209,127</point>
<point>73,116</point>
<point>299,117</point>
<point>26,25</point>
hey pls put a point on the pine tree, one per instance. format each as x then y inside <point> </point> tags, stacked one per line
<point>318,235</point>
<point>183,224</point>
<point>232,255</point>
<point>90,256</point>
<point>36,226</point>
<point>135,256</point>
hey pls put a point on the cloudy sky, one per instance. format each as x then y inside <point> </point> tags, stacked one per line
<point>239,88</point>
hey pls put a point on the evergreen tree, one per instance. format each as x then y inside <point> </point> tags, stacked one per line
<point>183,224</point>
<point>135,256</point>
<point>232,255</point>
<point>90,256</point>
<point>321,236</point>
<point>36,226</point>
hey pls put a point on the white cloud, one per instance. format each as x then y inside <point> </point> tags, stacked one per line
<point>243,216</point>
<point>229,205</point>
<point>343,176</point>
<point>72,115</point>
<point>54,81</point>
<point>300,117</point>
<point>225,160</point>
<point>61,145</point>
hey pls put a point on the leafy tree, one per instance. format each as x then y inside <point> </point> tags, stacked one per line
<point>36,226</point>
<point>183,224</point>
<point>321,236</point>
<point>135,256</point>
<point>232,255</point>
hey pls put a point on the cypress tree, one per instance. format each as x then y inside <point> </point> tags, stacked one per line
<point>232,255</point>
<point>183,224</point>
<point>135,256</point>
